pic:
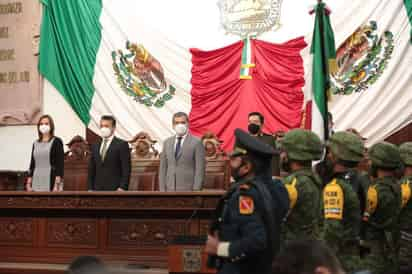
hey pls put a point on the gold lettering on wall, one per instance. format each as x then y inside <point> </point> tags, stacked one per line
<point>13,77</point>
<point>7,54</point>
<point>11,8</point>
<point>4,32</point>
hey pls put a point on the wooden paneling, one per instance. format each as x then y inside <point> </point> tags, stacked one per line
<point>70,232</point>
<point>217,174</point>
<point>75,175</point>
<point>144,175</point>
<point>403,135</point>
<point>16,231</point>
<point>127,227</point>
<point>144,232</point>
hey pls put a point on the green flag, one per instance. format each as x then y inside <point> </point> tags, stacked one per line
<point>408,6</point>
<point>324,62</point>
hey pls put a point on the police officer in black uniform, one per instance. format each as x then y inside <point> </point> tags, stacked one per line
<point>245,234</point>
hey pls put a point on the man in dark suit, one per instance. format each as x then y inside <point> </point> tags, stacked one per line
<point>109,166</point>
<point>256,123</point>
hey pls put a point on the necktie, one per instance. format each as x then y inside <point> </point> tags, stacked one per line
<point>178,146</point>
<point>104,149</point>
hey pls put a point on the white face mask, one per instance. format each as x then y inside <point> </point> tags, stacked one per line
<point>181,129</point>
<point>105,132</point>
<point>44,129</point>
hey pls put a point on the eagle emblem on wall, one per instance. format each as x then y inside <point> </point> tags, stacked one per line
<point>141,75</point>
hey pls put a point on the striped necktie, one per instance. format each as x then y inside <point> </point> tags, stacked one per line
<point>104,148</point>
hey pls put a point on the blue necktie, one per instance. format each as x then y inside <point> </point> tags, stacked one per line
<point>178,146</point>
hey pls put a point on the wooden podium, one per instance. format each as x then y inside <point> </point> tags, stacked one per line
<point>187,255</point>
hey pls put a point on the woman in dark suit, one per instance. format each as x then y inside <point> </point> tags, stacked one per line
<point>47,159</point>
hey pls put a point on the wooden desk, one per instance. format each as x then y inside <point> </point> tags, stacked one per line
<point>129,227</point>
<point>144,175</point>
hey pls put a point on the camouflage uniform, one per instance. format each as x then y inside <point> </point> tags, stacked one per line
<point>382,212</point>
<point>304,187</point>
<point>341,204</point>
<point>405,220</point>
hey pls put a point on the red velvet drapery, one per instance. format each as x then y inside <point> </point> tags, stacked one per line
<point>221,101</point>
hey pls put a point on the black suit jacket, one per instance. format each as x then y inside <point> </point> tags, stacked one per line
<point>114,171</point>
<point>270,140</point>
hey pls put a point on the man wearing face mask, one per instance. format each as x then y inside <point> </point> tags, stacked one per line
<point>182,161</point>
<point>109,166</point>
<point>245,234</point>
<point>344,199</point>
<point>298,149</point>
<point>255,127</point>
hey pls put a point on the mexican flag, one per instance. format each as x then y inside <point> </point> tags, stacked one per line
<point>323,55</point>
<point>104,60</point>
<point>103,66</point>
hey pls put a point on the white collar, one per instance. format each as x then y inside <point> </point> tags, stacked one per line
<point>109,139</point>
<point>183,137</point>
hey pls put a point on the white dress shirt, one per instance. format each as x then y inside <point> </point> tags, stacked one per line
<point>109,141</point>
<point>183,140</point>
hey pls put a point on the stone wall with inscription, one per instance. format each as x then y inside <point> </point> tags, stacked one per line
<point>20,84</point>
<point>24,95</point>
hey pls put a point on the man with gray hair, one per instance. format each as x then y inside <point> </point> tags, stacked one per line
<point>182,161</point>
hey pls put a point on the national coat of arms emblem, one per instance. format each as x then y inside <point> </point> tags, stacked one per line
<point>361,59</point>
<point>247,18</point>
<point>141,75</point>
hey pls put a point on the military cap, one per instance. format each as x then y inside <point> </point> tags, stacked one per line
<point>346,146</point>
<point>385,155</point>
<point>406,153</point>
<point>249,145</point>
<point>302,145</point>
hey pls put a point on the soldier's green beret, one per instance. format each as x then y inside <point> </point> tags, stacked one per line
<point>385,155</point>
<point>302,145</point>
<point>346,146</point>
<point>406,153</point>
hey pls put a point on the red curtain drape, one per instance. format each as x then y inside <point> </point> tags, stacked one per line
<point>221,101</point>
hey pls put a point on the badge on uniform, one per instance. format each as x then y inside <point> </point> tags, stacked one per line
<point>246,205</point>
<point>372,202</point>
<point>406,193</point>
<point>333,201</point>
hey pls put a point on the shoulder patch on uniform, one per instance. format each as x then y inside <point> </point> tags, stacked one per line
<point>333,201</point>
<point>246,205</point>
<point>372,202</point>
<point>292,192</point>
<point>406,192</point>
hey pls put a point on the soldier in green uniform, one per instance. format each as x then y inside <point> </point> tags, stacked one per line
<point>405,220</point>
<point>381,216</point>
<point>298,149</point>
<point>341,204</point>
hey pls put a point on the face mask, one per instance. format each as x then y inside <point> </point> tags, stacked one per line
<point>235,172</point>
<point>181,129</point>
<point>105,132</point>
<point>253,129</point>
<point>44,129</point>
<point>284,164</point>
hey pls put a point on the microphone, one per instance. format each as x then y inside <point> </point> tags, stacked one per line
<point>186,238</point>
<point>188,222</point>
